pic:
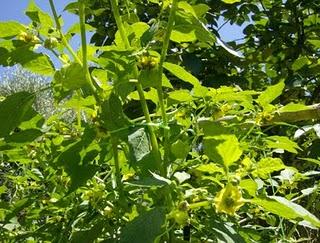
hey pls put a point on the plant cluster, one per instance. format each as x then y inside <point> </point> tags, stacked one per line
<point>177,136</point>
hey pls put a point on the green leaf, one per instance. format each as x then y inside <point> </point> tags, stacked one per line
<point>210,168</point>
<point>187,7</point>
<point>40,17</point>
<point>25,136</point>
<point>180,149</point>
<point>270,94</point>
<point>286,209</point>
<point>71,77</point>
<point>225,233</point>
<point>114,120</point>
<point>181,95</point>
<point>316,43</point>
<point>231,1</point>
<point>13,110</point>
<point>181,73</point>
<point>16,52</point>
<point>134,33</point>
<point>281,142</point>
<point>300,63</point>
<point>188,28</point>
<point>250,186</point>
<point>77,160</point>
<point>224,149</point>
<point>144,228</point>
<point>139,144</point>
<point>40,64</point>
<point>212,128</point>
<point>3,189</point>
<point>88,236</point>
<point>11,29</point>
<point>266,166</point>
<point>292,107</point>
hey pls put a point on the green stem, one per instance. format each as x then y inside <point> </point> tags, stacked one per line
<point>200,204</point>
<point>63,38</point>
<point>162,104</point>
<point>116,165</point>
<point>153,138</point>
<point>84,44</point>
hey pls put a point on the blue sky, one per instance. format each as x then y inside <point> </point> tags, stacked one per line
<point>14,10</point>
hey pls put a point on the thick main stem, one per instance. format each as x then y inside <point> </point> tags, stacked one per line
<point>159,76</point>
<point>153,138</point>
<point>84,44</point>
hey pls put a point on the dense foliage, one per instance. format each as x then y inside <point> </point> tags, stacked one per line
<point>177,136</point>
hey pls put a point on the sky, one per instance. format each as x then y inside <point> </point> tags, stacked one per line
<point>14,10</point>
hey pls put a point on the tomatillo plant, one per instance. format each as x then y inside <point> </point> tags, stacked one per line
<point>161,147</point>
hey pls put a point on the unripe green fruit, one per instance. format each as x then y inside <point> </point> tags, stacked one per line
<point>147,62</point>
<point>28,38</point>
<point>51,43</point>
<point>181,217</point>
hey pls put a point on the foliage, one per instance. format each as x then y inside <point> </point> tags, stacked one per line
<point>205,157</point>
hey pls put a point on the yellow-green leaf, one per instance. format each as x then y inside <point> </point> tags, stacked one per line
<point>11,29</point>
<point>181,73</point>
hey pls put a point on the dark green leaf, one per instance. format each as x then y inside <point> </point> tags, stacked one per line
<point>13,110</point>
<point>144,228</point>
<point>113,118</point>
<point>71,77</point>
<point>25,136</point>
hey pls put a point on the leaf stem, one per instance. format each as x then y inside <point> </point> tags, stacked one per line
<point>153,138</point>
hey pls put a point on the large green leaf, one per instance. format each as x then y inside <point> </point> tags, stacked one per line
<point>286,209</point>
<point>226,233</point>
<point>266,166</point>
<point>77,160</point>
<point>24,136</point>
<point>224,149</point>
<point>11,29</point>
<point>18,52</point>
<point>282,142</point>
<point>113,118</point>
<point>40,64</point>
<point>189,28</point>
<point>71,77</point>
<point>144,228</point>
<point>88,235</point>
<point>181,95</point>
<point>181,73</point>
<point>270,94</point>
<point>134,33</point>
<point>13,110</point>
<point>293,107</point>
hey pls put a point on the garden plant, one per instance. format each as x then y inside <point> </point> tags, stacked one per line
<point>176,135</point>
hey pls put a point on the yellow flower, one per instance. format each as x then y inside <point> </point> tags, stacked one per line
<point>229,199</point>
